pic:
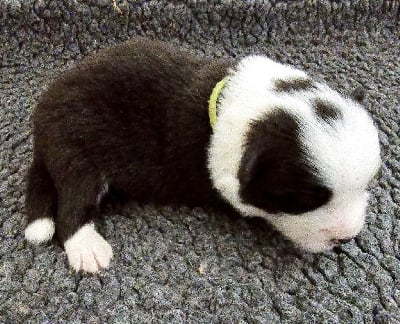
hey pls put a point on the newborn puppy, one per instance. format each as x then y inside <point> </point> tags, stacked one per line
<point>157,124</point>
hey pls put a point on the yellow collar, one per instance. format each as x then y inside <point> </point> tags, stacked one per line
<point>212,103</point>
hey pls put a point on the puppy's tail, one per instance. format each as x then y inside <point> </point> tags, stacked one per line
<point>40,204</point>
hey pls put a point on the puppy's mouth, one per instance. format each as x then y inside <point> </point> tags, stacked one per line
<point>338,244</point>
<point>325,246</point>
<point>341,241</point>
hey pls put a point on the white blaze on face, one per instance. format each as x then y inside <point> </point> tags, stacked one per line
<point>346,152</point>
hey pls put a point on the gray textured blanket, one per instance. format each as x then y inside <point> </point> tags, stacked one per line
<point>196,266</point>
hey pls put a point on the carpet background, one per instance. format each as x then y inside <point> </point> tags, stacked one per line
<point>197,266</point>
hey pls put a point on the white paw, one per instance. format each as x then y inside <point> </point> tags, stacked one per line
<point>87,250</point>
<point>40,230</point>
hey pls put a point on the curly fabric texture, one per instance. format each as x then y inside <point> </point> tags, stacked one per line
<point>196,266</point>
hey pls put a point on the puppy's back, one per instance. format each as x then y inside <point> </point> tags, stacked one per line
<point>137,110</point>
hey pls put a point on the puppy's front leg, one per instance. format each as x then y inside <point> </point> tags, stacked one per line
<point>78,205</point>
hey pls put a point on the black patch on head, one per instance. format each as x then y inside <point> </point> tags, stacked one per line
<point>273,174</point>
<point>298,84</point>
<point>326,111</point>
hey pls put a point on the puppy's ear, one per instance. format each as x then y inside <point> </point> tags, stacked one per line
<point>249,166</point>
<point>358,94</point>
<point>273,175</point>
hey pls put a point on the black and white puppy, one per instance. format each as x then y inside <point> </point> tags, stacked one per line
<point>134,120</point>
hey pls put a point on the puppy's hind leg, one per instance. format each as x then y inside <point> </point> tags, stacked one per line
<point>78,204</point>
<point>40,204</point>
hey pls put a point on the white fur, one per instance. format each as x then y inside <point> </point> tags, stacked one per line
<point>40,230</point>
<point>313,231</point>
<point>345,154</point>
<point>87,250</point>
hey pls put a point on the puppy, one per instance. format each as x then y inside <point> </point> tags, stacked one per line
<point>157,124</point>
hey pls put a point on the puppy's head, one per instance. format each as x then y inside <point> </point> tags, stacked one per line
<point>295,152</point>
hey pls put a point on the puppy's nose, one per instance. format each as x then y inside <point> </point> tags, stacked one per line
<point>346,240</point>
<point>342,241</point>
<point>338,244</point>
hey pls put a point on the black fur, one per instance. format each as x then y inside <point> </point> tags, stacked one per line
<point>290,85</point>
<point>133,118</point>
<point>326,111</point>
<point>273,174</point>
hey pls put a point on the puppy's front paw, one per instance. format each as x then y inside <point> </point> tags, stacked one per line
<point>87,250</point>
